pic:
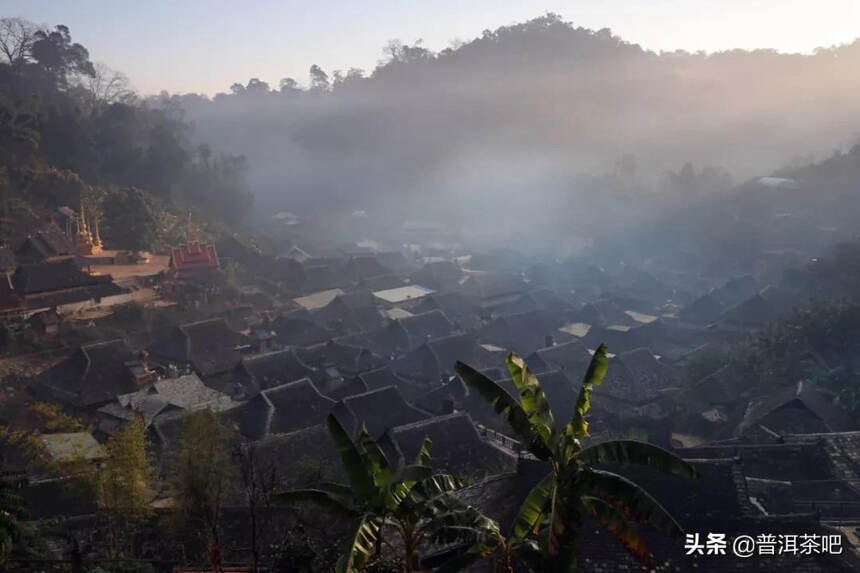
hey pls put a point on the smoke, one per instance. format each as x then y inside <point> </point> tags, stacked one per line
<point>528,125</point>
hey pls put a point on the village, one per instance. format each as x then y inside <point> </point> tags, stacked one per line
<point>275,344</point>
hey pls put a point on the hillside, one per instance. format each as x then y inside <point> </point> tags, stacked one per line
<point>72,133</point>
<point>531,106</point>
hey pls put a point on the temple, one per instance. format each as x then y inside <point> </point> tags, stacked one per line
<point>194,259</point>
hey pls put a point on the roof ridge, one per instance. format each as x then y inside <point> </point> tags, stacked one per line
<point>430,420</point>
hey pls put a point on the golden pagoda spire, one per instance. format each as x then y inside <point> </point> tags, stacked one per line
<point>97,240</point>
<point>83,218</point>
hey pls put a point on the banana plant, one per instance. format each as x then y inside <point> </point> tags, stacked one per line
<point>488,543</point>
<point>414,503</point>
<point>574,488</point>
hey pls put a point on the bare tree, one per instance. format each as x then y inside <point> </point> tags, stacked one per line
<point>259,481</point>
<point>107,86</point>
<point>16,39</point>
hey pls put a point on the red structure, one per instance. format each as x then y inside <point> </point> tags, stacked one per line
<point>193,260</point>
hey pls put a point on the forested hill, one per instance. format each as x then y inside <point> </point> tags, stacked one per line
<point>71,130</point>
<point>531,106</point>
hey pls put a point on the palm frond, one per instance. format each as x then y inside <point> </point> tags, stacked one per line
<point>361,546</point>
<point>629,498</point>
<point>353,462</point>
<point>532,398</point>
<point>578,426</point>
<point>633,452</point>
<point>616,523</point>
<point>326,499</point>
<point>532,510</point>
<point>503,403</point>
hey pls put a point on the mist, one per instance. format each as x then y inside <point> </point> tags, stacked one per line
<point>529,120</point>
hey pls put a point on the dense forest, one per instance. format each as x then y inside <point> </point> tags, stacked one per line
<point>72,131</point>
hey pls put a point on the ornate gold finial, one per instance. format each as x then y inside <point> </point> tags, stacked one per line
<point>83,218</point>
<point>97,240</point>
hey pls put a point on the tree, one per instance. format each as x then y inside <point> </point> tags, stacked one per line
<point>11,513</point>
<point>16,41</point>
<point>257,86</point>
<point>412,502</point>
<point>319,79</point>
<point>55,53</point>
<point>574,488</point>
<point>131,219</point>
<point>124,483</point>
<point>53,419</point>
<point>202,480</point>
<point>258,483</point>
<point>106,86</point>
<point>288,85</point>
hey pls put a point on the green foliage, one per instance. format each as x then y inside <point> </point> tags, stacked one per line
<point>411,502</point>
<point>554,510</point>
<point>52,186</point>
<point>124,484</point>
<point>63,136</point>
<point>131,219</point>
<point>202,478</point>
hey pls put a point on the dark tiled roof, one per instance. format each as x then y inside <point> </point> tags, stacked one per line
<point>364,267</point>
<point>49,241</point>
<point>569,355</point>
<point>436,358</point>
<point>354,312</point>
<point>386,376</point>
<point>452,303</point>
<point>736,290</point>
<point>443,398</point>
<point>251,418</point>
<point>493,285</point>
<point>339,388</point>
<point>703,309</point>
<point>754,311</point>
<point>636,377</point>
<point>522,333</point>
<point>272,369</point>
<point>456,445</point>
<point>54,276</point>
<point>73,295</point>
<point>295,329</point>
<point>347,359</point>
<point>210,346</point>
<point>795,409</point>
<point>297,405</point>
<point>319,278</point>
<point>379,410</point>
<point>426,326</point>
<point>561,393</point>
<point>94,374</point>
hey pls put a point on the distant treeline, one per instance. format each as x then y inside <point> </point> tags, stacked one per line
<point>72,130</point>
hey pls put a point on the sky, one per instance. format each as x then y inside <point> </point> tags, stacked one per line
<point>204,46</point>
